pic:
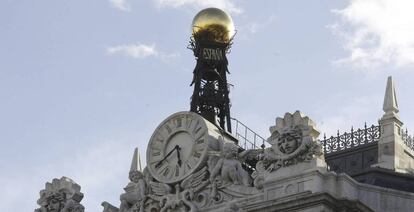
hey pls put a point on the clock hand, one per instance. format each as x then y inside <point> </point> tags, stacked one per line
<point>169,153</point>
<point>178,155</point>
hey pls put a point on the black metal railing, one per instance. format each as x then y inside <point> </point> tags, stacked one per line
<point>408,139</point>
<point>248,139</point>
<point>348,140</point>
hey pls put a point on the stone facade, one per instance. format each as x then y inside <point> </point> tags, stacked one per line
<point>291,175</point>
<point>193,165</point>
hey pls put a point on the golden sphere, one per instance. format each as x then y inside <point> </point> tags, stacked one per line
<point>213,24</point>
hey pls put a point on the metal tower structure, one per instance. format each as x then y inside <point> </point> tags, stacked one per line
<point>213,31</point>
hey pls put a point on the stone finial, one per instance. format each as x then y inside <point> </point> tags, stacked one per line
<point>61,195</point>
<point>136,162</point>
<point>296,121</point>
<point>293,143</point>
<point>390,106</point>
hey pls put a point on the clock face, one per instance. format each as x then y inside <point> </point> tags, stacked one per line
<point>177,147</point>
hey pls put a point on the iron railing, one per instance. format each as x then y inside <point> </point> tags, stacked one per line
<point>248,139</point>
<point>408,139</point>
<point>356,138</point>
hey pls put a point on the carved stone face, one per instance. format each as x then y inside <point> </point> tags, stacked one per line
<point>288,144</point>
<point>230,150</point>
<point>135,176</point>
<point>54,205</point>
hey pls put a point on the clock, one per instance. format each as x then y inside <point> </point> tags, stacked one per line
<point>179,146</point>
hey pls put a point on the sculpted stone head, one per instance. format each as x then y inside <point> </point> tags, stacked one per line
<point>290,131</point>
<point>230,150</point>
<point>60,195</point>
<point>135,176</point>
<point>55,202</point>
<point>288,143</point>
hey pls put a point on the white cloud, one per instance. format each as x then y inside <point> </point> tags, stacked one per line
<point>376,32</point>
<point>139,51</point>
<point>227,5</point>
<point>245,31</point>
<point>121,5</point>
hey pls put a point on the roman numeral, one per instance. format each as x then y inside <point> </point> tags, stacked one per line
<point>178,122</point>
<point>156,153</point>
<point>168,128</point>
<point>197,127</point>
<point>200,141</point>
<point>156,145</point>
<point>162,166</point>
<point>159,139</point>
<point>166,171</point>
<point>177,171</point>
<point>197,154</point>
<point>189,121</point>
<point>187,167</point>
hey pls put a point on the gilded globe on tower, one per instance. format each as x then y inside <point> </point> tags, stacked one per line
<point>213,24</point>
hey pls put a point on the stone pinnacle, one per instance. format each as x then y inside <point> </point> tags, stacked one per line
<point>390,100</point>
<point>136,161</point>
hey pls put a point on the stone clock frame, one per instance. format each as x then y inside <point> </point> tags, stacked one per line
<point>184,136</point>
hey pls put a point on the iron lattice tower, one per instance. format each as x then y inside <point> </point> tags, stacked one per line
<point>210,97</point>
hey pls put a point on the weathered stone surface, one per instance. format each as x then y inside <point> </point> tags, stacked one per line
<point>291,175</point>
<point>108,207</point>
<point>228,167</point>
<point>393,154</point>
<point>293,141</point>
<point>61,195</point>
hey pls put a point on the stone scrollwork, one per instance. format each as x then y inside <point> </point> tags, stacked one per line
<point>135,193</point>
<point>232,207</point>
<point>293,140</point>
<point>61,195</point>
<point>220,179</point>
<point>181,195</point>
<point>228,167</point>
<point>228,178</point>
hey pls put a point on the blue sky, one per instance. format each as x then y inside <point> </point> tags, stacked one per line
<point>82,83</point>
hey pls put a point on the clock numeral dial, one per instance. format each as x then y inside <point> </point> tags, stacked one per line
<point>177,147</point>
<point>166,172</point>
<point>197,154</point>
<point>161,168</point>
<point>200,141</point>
<point>177,171</point>
<point>187,167</point>
<point>178,122</point>
<point>168,128</point>
<point>156,153</point>
<point>188,122</point>
<point>197,128</point>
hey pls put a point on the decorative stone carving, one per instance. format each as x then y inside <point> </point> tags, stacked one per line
<point>205,163</point>
<point>182,195</point>
<point>229,168</point>
<point>293,140</point>
<point>228,179</point>
<point>108,207</point>
<point>62,195</point>
<point>233,207</point>
<point>135,192</point>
